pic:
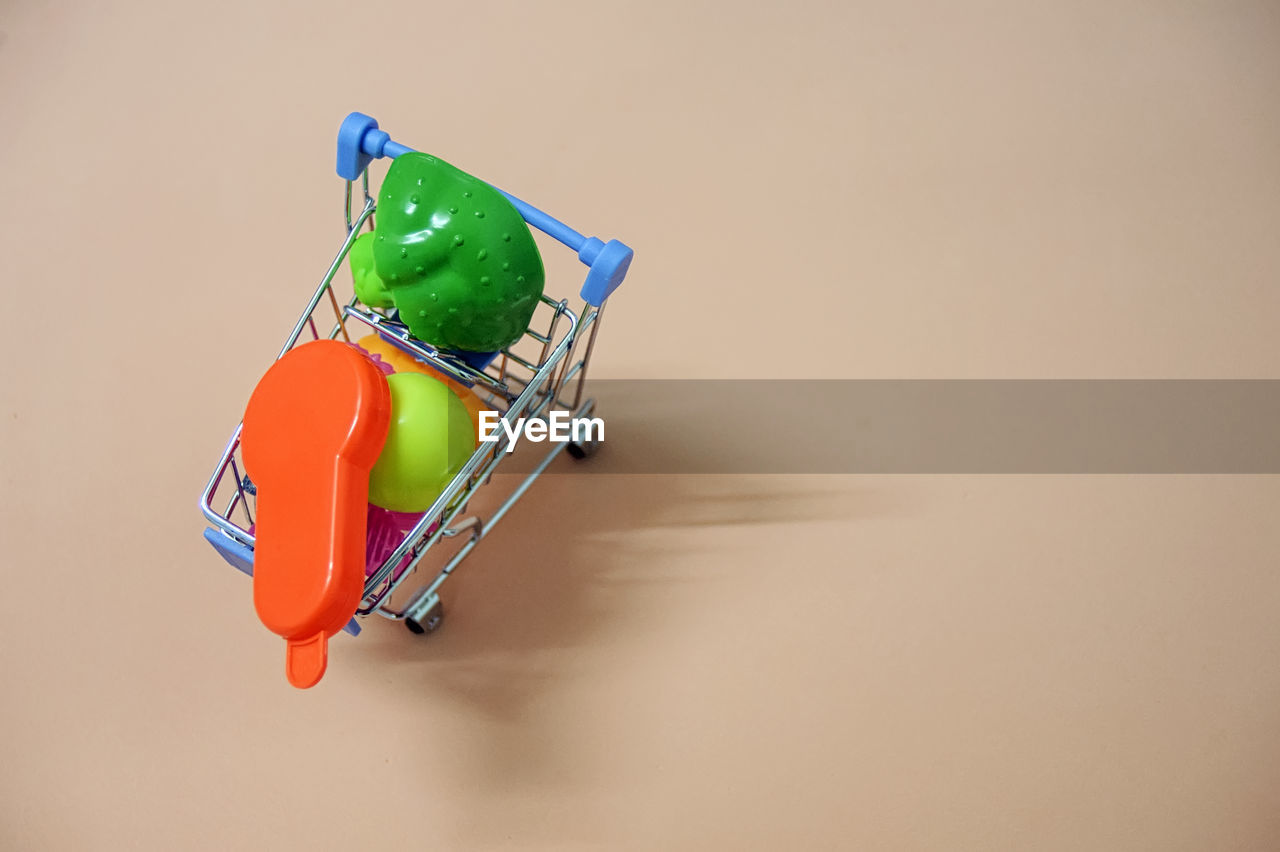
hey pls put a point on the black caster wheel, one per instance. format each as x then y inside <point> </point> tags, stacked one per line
<point>582,449</point>
<point>424,613</point>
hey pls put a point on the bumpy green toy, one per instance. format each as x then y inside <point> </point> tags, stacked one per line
<point>454,255</point>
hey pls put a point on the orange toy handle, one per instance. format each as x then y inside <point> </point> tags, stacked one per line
<point>313,429</point>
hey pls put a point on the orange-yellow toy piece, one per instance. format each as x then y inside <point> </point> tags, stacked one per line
<point>402,362</point>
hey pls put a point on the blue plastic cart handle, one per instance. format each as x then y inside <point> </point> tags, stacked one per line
<point>360,142</point>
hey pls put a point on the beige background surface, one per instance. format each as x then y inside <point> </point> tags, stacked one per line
<point>992,189</point>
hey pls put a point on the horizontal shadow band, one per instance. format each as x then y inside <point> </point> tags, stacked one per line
<point>932,426</point>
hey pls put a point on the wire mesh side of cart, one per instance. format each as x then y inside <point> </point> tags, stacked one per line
<point>541,373</point>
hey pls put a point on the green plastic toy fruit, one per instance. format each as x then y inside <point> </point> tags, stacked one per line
<point>455,255</point>
<point>369,287</point>
<point>430,438</point>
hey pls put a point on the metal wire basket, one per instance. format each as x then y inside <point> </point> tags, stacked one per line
<point>542,373</point>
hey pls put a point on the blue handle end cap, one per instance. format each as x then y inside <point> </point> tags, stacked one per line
<point>352,156</point>
<point>607,271</point>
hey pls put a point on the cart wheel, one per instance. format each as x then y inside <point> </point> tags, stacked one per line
<point>424,613</point>
<point>582,449</point>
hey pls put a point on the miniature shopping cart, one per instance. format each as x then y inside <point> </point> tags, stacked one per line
<point>541,374</point>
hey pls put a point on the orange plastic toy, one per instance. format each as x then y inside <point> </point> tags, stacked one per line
<point>313,429</point>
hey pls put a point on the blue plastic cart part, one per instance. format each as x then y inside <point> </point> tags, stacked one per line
<point>241,556</point>
<point>479,361</point>
<point>360,142</point>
